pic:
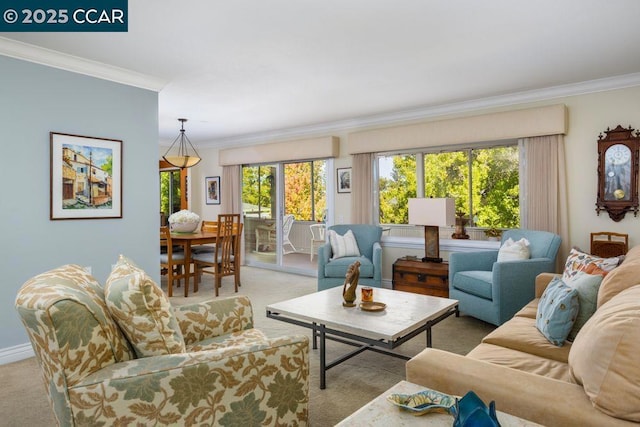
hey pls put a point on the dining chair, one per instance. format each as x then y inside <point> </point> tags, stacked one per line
<point>317,237</point>
<point>206,227</point>
<point>607,244</point>
<point>225,260</point>
<point>172,263</point>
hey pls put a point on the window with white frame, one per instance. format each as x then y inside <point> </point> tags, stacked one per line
<point>484,180</point>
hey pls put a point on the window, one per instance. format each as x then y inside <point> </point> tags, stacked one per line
<point>170,192</point>
<point>483,180</point>
<point>258,191</point>
<point>305,190</point>
<point>397,180</point>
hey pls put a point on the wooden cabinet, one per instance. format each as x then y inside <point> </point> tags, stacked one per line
<point>427,278</point>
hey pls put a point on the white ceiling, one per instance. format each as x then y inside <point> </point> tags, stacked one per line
<point>248,69</point>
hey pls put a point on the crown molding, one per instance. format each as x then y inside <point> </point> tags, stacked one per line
<point>392,118</point>
<point>63,61</point>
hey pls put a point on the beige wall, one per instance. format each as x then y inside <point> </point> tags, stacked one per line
<point>588,116</point>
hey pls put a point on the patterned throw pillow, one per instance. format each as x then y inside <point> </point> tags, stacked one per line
<point>514,251</point>
<point>142,311</point>
<point>557,311</point>
<point>580,261</point>
<point>343,246</point>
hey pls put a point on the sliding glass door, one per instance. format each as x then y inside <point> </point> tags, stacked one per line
<point>260,211</point>
<point>280,202</point>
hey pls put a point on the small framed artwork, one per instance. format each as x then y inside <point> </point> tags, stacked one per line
<point>212,190</point>
<point>344,180</point>
<point>85,177</point>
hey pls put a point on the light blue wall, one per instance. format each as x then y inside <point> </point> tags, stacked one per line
<point>36,100</point>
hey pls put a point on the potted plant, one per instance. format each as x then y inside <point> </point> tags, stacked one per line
<point>493,233</point>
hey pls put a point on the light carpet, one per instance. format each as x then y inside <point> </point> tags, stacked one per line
<point>350,385</point>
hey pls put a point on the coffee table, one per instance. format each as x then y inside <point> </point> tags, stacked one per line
<point>380,413</point>
<point>405,316</point>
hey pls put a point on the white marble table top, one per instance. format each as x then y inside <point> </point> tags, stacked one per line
<point>382,413</point>
<point>405,312</point>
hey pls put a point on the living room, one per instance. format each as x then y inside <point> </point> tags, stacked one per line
<point>46,95</point>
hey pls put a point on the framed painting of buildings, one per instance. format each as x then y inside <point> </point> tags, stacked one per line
<point>86,177</point>
<point>212,190</point>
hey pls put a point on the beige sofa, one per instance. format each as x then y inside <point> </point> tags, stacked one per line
<point>594,381</point>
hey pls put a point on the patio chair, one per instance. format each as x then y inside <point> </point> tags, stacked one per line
<point>317,237</point>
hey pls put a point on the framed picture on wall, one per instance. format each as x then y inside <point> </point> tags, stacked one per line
<point>344,180</point>
<point>86,177</point>
<point>212,190</point>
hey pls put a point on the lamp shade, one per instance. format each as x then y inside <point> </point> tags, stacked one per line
<point>440,212</point>
<point>184,155</point>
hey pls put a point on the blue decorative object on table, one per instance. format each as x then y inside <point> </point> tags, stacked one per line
<point>424,402</point>
<point>470,411</point>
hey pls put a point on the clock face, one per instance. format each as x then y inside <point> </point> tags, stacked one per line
<point>618,154</point>
<point>617,173</point>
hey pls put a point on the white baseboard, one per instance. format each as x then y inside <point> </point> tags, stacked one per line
<point>16,353</point>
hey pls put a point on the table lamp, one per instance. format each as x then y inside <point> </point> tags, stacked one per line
<point>432,213</point>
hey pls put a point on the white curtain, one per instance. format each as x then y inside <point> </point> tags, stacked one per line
<point>362,189</point>
<point>230,197</point>
<point>543,188</point>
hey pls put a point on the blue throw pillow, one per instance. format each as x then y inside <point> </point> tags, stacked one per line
<point>587,286</point>
<point>557,311</point>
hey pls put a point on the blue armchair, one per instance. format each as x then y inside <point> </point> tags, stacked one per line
<point>331,272</point>
<point>494,291</point>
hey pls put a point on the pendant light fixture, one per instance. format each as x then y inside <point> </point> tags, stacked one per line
<point>181,157</point>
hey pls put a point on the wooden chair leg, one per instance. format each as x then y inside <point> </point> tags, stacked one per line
<point>186,284</point>
<point>217,282</point>
<point>170,281</point>
<point>196,278</point>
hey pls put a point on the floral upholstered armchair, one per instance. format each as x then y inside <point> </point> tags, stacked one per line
<point>120,355</point>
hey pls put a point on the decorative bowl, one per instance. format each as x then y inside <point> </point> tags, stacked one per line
<point>184,227</point>
<point>424,402</point>
<point>372,306</point>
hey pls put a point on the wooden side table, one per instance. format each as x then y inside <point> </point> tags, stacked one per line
<point>427,278</point>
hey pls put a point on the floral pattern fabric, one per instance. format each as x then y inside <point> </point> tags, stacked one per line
<point>231,374</point>
<point>142,311</point>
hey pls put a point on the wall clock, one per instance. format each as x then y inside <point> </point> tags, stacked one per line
<point>618,172</point>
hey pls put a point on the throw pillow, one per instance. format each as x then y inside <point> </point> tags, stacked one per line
<point>343,246</point>
<point>514,251</point>
<point>621,278</point>
<point>557,311</point>
<point>604,356</point>
<point>587,286</point>
<point>142,311</point>
<point>580,261</point>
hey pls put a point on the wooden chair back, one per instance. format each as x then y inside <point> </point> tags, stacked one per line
<point>209,226</point>
<point>225,261</point>
<point>607,244</point>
